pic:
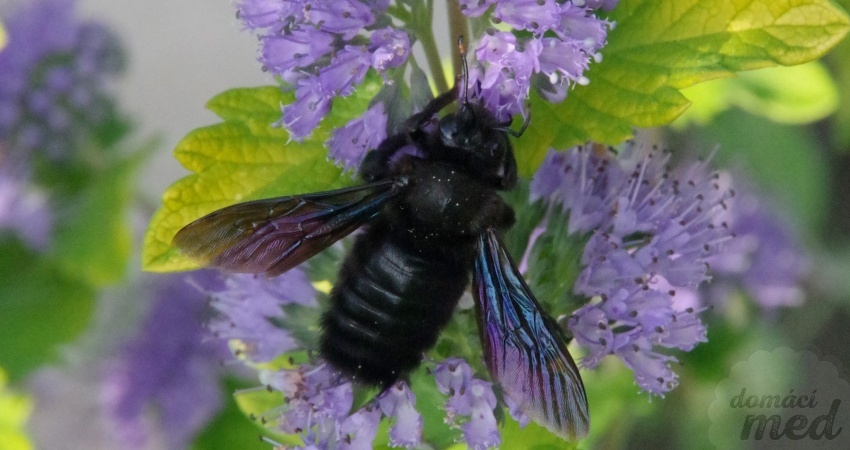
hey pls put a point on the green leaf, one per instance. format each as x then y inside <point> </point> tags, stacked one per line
<point>94,241</point>
<point>839,62</point>
<point>231,429</point>
<point>430,403</point>
<point>659,47</point>
<point>245,158</point>
<point>615,402</point>
<point>555,264</point>
<point>795,95</point>
<point>784,159</point>
<point>41,306</point>
<point>532,437</point>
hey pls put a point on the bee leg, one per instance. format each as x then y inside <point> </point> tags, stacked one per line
<point>376,165</point>
<point>494,214</point>
<point>418,120</point>
<point>509,171</point>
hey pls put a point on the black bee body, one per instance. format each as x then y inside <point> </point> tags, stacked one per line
<point>401,282</point>
<point>431,222</point>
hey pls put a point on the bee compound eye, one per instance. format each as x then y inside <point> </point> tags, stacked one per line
<point>448,129</point>
<point>495,150</point>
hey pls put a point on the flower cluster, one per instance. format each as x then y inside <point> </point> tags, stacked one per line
<point>652,232</point>
<point>167,364</point>
<point>54,71</point>
<point>250,310</point>
<point>318,403</point>
<point>765,259</point>
<point>318,400</point>
<point>564,37</point>
<point>52,95</point>
<point>247,307</point>
<point>324,49</point>
<point>471,398</point>
<point>318,408</point>
<point>350,143</point>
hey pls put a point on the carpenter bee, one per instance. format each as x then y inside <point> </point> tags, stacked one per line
<point>431,223</point>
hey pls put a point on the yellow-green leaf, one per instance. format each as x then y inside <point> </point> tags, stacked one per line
<point>659,47</point>
<point>793,95</point>
<point>14,411</point>
<point>245,158</point>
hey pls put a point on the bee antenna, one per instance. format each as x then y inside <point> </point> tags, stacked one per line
<point>465,69</point>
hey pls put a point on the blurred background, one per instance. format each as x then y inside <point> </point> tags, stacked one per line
<point>181,54</point>
<point>786,130</point>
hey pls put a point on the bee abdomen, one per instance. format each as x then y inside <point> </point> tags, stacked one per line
<point>387,308</point>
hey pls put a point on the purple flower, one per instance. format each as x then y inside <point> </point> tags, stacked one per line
<point>536,16</point>
<point>390,48</point>
<point>319,47</point>
<point>248,304</point>
<point>318,401</point>
<point>453,377</point>
<point>168,365</point>
<point>311,105</point>
<point>357,431</point>
<point>470,398</point>
<point>344,17</point>
<point>562,61</point>
<point>346,70</point>
<point>350,143</point>
<point>24,210</point>
<point>558,60</point>
<point>481,431</point>
<point>260,13</point>
<point>50,57</point>
<point>766,258</point>
<point>298,48</point>
<point>475,8</point>
<point>651,233</point>
<point>579,26</point>
<point>398,402</point>
<point>516,412</point>
<point>504,84</point>
<point>606,5</point>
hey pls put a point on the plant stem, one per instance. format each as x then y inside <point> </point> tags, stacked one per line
<point>399,12</point>
<point>425,32</point>
<point>457,28</point>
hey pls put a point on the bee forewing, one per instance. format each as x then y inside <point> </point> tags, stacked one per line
<point>523,348</point>
<point>274,235</point>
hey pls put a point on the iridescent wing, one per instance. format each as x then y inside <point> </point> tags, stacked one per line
<point>274,235</point>
<point>523,347</point>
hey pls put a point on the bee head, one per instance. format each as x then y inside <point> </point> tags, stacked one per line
<point>473,130</point>
<point>474,136</point>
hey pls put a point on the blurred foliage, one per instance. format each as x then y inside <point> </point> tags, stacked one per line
<point>14,411</point>
<point>839,61</point>
<point>48,297</point>
<point>230,429</point>
<point>784,161</point>
<point>767,93</point>
<point>43,306</point>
